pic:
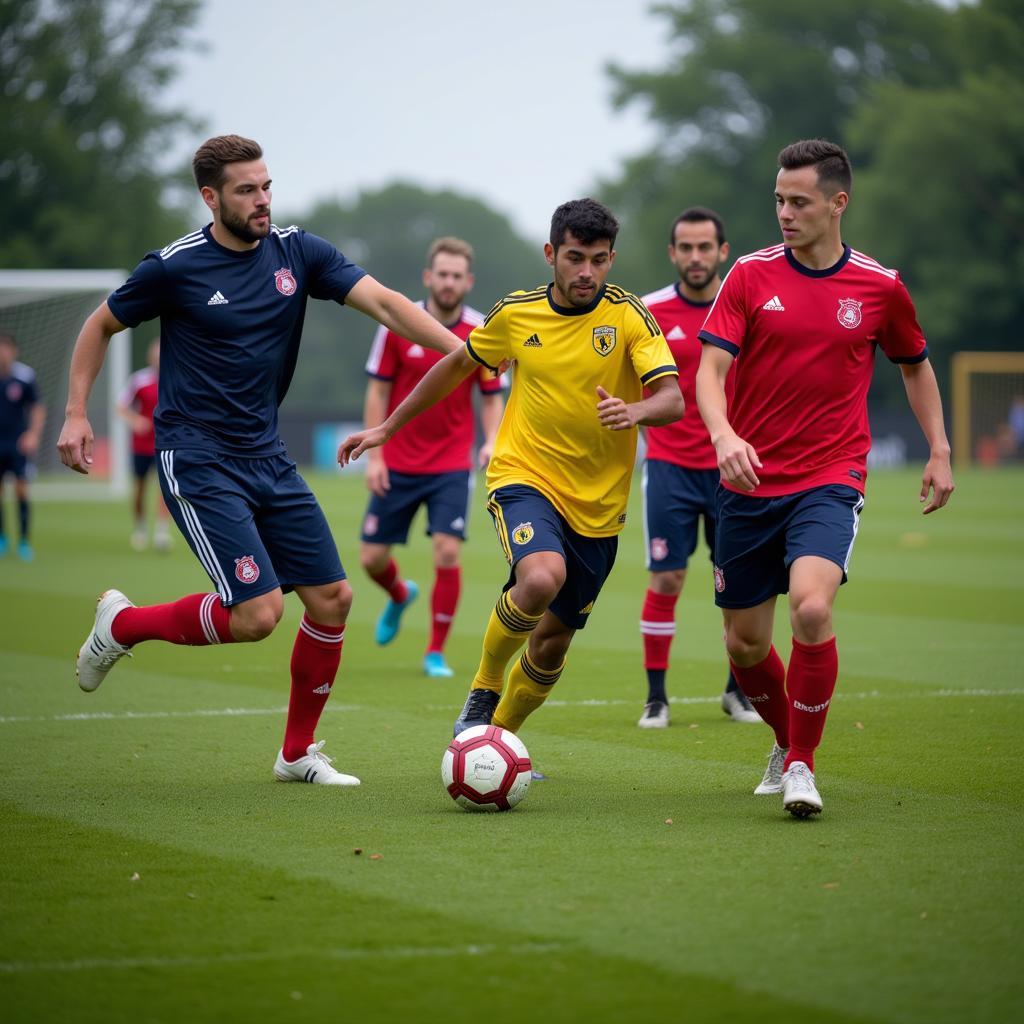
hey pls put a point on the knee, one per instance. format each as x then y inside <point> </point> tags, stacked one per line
<point>746,647</point>
<point>333,603</point>
<point>374,560</point>
<point>540,584</point>
<point>811,618</point>
<point>258,622</point>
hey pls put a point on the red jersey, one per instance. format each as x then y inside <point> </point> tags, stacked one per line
<point>686,442</point>
<point>440,439</point>
<point>807,339</point>
<point>140,394</point>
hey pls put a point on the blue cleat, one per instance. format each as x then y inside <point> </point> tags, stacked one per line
<point>435,666</point>
<point>3,545</point>
<point>478,710</point>
<point>25,552</point>
<point>391,618</point>
<point>538,776</point>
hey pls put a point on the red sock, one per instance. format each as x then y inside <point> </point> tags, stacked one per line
<point>391,582</point>
<point>196,620</point>
<point>658,626</point>
<point>315,659</point>
<point>810,683</point>
<point>764,685</point>
<point>444,599</point>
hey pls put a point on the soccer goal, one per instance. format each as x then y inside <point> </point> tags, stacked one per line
<point>44,310</point>
<point>988,408</point>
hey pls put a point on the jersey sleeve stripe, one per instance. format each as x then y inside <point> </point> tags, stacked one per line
<point>712,339</point>
<point>867,263</point>
<point>615,294</point>
<point>190,237</point>
<point>469,349</point>
<point>661,295</point>
<point>380,337</point>
<point>172,250</point>
<point>910,360</point>
<point>661,371</point>
<point>534,296</point>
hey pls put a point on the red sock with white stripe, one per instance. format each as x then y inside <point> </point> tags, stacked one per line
<point>764,685</point>
<point>315,659</point>
<point>658,626</point>
<point>196,620</point>
<point>392,582</point>
<point>810,683</point>
<point>444,599</point>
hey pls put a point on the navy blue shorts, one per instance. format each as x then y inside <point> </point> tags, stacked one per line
<point>526,523</point>
<point>446,496</point>
<point>142,464</point>
<point>758,539</point>
<point>253,523</point>
<point>675,498</point>
<point>13,462</point>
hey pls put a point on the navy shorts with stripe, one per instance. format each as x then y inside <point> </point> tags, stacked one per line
<point>446,496</point>
<point>253,523</point>
<point>527,522</point>
<point>675,498</point>
<point>758,539</point>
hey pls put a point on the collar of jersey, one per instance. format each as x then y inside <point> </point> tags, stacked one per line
<point>690,302</point>
<point>827,272</point>
<point>575,310</point>
<point>241,254</point>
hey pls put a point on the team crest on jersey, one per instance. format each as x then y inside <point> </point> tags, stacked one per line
<point>604,340</point>
<point>849,314</point>
<point>719,580</point>
<point>523,533</point>
<point>371,524</point>
<point>285,281</point>
<point>659,549</point>
<point>246,569</point>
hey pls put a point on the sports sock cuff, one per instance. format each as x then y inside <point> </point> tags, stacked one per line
<point>545,677</point>
<point>825,645</point>
<point>514,618</point>
<point>665,603</point>
<point>325,636</point>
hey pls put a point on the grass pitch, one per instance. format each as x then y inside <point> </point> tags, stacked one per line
<point>152,869</point>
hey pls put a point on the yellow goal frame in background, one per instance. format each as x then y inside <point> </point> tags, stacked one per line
<point>964,364</point>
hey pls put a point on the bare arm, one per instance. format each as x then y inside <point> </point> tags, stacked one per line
<point>76,437</point>
<point>28,443</point>
<point>926,403</point>
<point>491,409</point>
<point>397,313</point>
<point>664,404</point>
<point>737,460</point>
<point>374,407</point>
<point>441,380</point>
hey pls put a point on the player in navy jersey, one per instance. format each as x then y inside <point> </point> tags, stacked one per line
<point>22,415</point>
<point>680,474</point>
<point>431,464</point>
<point>231,297</point>
<point>804,318</point>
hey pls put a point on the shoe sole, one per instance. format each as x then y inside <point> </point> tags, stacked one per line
<point>645,724</point>
<point>801,809</point>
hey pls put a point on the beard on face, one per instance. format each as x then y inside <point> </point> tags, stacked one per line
<point>241,228</point>
<point>447,301</point>
<point>698,278</point>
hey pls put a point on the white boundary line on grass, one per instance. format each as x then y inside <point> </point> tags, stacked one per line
<point>119,716</point>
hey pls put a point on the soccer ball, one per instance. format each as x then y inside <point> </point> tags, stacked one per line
<point>486,769</point>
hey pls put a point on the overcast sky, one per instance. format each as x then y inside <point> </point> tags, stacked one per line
<point>509,103</point>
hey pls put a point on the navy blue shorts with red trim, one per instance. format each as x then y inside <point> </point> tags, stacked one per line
<point>675,499</point>
<point>446,496</point>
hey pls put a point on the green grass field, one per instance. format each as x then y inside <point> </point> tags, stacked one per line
<point>153,870</point>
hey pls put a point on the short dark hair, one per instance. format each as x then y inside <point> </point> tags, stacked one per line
<point>215,154</point>
<point>828,158</point>
<point>451,245</point>
<point>697,215</point>
<point>588,220</point>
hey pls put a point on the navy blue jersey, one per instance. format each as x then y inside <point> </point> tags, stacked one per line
<point>230,325</point>
<point>18,394</point>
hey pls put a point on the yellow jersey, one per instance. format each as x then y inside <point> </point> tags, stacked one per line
<point>550,437</point>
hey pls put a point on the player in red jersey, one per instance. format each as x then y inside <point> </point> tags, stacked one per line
<point>430,465</point>
<point>680,474</point>
<point>135,406</point>
<point>793,443</point>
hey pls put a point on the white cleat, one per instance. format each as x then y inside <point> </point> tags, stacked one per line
<point>314,767</point>
<point>800,796</point>
<point>738,708</point>
<point>101,652</point>
<point>655,715</point>
<point>772,781</point>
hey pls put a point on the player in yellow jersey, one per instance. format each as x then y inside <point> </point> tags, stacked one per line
<point>558,480</point>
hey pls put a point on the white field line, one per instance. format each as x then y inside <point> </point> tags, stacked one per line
<point>118,716</point>
<point>259,956</point>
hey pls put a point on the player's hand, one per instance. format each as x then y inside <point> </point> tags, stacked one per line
<point>738,462</point>
<point>28,444</point>
<point>355,444</point>
<point>938,478</point>
<point>377,478</point>
<point>614,413</point>
<point>484,455</point>
<point>503,367</point>
<point>75,444</point>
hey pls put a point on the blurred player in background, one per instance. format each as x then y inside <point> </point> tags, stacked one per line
<point>680,474</point>
<point>430,465</point>
<point>22,415</point>
<point>802,320</point>
<point>559,477</point>
<point>231,298</point>
<point>135,406</point>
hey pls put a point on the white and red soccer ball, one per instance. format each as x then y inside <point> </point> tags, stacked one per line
<point>486,769</point>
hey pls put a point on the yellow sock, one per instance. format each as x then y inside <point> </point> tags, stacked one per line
<point>507,630</point>
<point>528,688</point>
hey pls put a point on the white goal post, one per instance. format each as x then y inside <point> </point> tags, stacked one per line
<point>43,310</point>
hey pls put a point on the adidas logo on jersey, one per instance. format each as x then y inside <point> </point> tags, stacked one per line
<point>216,299</point>
<point>774,305</point>
<point>532,342</point>
<point>676,334</point>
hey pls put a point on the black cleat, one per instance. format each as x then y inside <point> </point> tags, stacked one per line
<point>478,710</point>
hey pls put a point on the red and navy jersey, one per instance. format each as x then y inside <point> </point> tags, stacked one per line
<point>140,394</point>
<point>440,439</point>
<point>806,341</point>
<point>686,442</point>
<point>230,326</point>
<point>18,393</point>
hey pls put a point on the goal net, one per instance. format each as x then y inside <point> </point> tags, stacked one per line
<point>988,408</point>
<point>44,310</point>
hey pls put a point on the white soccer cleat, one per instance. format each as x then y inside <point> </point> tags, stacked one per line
<point>800,796</point>
<point>772,781</point>
<point>738,708</point>
<point>655,715</point>
<point>138,540</point>
<point>101,652</point>
<point>314,767</point>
